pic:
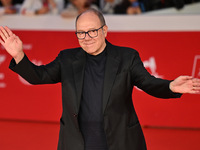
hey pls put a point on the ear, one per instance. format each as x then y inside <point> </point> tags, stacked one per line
<point>105,30</point>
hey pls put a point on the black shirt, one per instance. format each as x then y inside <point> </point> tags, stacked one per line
<point>90,114</point>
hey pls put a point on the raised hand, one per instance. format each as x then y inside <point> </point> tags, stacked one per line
<point>185,84</point>
<point>11,43</point>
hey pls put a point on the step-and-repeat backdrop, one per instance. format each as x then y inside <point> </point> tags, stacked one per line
<point>169,46</point>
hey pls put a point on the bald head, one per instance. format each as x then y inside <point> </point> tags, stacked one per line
<point>98,14</point>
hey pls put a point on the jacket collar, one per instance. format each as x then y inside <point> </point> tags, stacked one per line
<point>78,69</point>
<point>111,69</point>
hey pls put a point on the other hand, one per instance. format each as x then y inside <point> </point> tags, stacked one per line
<point>185,84</point>
<point>11,43</point>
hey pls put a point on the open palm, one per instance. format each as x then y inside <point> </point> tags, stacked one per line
<point>185,84</point>
<point>11,42</point>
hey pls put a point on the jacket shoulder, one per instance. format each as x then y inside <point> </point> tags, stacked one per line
<point>123,51</point>
<point>70,53</point>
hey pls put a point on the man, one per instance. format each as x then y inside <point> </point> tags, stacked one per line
<point>97,81</point>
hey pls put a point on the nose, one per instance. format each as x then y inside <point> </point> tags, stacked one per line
<point>87,37</point>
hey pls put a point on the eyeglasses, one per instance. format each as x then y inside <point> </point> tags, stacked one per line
<point>92,33</point>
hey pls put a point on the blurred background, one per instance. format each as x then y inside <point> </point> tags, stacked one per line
<point>166,33</point>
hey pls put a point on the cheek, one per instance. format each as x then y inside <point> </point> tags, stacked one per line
<point>80,43</point>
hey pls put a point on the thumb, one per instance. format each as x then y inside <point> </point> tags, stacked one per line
<point>185,77</point>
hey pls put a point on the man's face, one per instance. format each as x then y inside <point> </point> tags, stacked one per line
<point>90,21</point>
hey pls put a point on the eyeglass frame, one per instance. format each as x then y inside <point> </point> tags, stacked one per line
<point>88,33</point>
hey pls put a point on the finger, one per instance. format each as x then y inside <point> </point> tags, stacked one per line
<point>188,77</point>
<point>196,84</point>
<point>2,34</point>
<point>17,39</point>
<point>5,32</point>
<point>185,78</point>
<point>196,92</point>
<point>196,88</point>
<point>196,80</point>
<point>8,31</point>
<point>2,43</point>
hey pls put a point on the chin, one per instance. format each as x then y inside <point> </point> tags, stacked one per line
<point>90,50</point>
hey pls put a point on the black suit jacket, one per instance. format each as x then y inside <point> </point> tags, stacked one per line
<point>124,70</point>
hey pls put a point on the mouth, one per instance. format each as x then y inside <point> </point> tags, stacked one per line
<point>88,44</point>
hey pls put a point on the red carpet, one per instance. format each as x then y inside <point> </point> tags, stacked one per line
<point>44,136</point>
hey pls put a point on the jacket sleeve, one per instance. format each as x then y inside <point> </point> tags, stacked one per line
<point>153,86</point>
<point>44,74</point>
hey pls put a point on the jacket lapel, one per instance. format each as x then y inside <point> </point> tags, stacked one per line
<point>78,69</point>
<point>111,69</point>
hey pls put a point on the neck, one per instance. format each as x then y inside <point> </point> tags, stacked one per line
<point>100,50</point>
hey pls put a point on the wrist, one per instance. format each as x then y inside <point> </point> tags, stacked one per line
<point>171,87</point>
<point>19,57</point>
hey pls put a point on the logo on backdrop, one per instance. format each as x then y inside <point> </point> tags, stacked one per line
<point>151,64</point>
<point>36,62</point>
<point>196,67</point>
<point>2,75</point>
